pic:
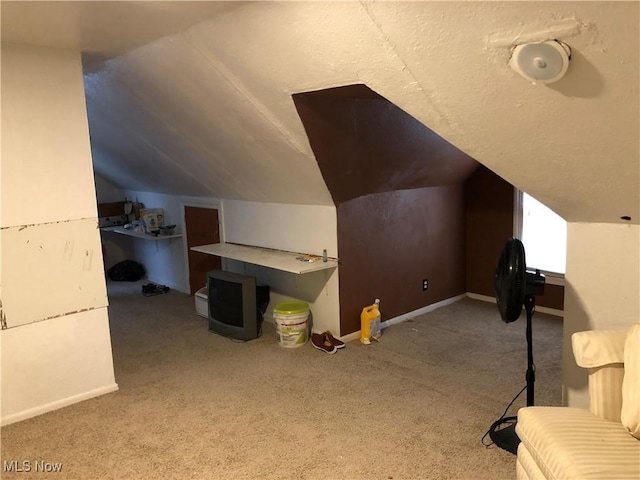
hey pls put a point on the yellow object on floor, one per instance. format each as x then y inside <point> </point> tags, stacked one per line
<point>370,323</point>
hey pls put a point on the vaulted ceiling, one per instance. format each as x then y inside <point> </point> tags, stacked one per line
<point>195,98</point>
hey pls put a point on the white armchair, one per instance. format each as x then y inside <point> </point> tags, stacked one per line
<point>602,442</point>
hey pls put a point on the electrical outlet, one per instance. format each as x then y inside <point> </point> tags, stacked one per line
<point>425,285</point>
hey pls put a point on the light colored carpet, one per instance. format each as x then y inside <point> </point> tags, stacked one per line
<point>194,405</point>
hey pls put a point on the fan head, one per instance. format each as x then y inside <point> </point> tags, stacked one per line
<point>510,281</point>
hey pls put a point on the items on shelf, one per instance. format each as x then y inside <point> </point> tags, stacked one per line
<point>152,219</point>
<point>266,257</point>
<point>309,258</point>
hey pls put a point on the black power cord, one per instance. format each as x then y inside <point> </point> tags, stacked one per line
<point>501,419</point>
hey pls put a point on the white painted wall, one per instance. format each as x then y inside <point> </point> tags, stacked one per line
<point>602,290</point>
<point>115,248</point>
<point>46,156</point>
<point>294,228</point>
<point>107,192</point>
<point>49,218</point>
<point>49,365</point>
<point>66,255</point>
<point>163,259</point>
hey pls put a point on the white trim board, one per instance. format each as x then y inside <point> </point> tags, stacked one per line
<point>405,316</point>
<point>64,402</point>
<point>553,278</point>
<point>547,310</point>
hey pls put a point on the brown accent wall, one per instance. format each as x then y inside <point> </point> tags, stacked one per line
<point>110,209</point>
<point>398,190</point>
<point>489,215</point>
<point>553,297</point>
<point>201,228</point>
<point>409,205</point>
<point>389,242</point>
<point>365,144</point>
<point>489,210</point>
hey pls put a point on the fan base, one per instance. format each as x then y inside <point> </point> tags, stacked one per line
<point>503,434</point>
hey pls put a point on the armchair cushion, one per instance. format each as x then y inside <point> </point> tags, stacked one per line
<point>567,442</point>
<point>630,415</point>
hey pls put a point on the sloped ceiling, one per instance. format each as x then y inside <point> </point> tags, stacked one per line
<point>101,29</point>
<point>207,110</point>
<point>364,144</point>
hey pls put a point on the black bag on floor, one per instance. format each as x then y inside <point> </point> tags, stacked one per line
<point>126,271</point>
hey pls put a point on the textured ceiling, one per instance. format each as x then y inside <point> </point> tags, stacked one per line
<point>207,110</point>
<point>101,29</point>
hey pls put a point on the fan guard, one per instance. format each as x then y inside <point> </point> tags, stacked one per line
<point>510,281</point>
<point>515,287</point>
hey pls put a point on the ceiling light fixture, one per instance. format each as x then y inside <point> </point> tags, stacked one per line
<point>544,62</point>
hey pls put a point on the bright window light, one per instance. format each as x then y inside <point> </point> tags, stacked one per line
<point>544,235</point>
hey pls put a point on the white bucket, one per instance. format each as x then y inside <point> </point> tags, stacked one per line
<point>202,302</point>
<point>292,329</point>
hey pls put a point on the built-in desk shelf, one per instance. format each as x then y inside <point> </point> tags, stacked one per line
<point>145,236</point>
<point>265,257</point>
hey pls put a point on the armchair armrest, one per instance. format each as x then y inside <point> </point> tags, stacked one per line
<point>601,352</point>
<point>597,348</point>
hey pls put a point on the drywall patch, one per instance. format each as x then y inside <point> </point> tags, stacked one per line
<point>38,258</point>
<point>535,33</point>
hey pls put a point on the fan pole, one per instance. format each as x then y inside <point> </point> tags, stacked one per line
<point>529,305</point>
<point>503,431</point>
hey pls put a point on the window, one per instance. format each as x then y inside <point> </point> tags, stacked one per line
<point>544,235</point>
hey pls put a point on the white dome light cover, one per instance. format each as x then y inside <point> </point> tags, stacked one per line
<point>544,62</point>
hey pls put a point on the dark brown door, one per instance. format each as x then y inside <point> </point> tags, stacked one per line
<point>202,229</point>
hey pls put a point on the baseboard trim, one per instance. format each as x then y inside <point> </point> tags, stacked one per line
<point>405,316</point>
<point>350,336</point>
<point>421,311</point>
<point>65,402</point>
<point>547,310</point>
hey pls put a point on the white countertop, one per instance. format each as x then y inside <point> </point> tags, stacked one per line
<point>145,236</point>
<point>277,259</point>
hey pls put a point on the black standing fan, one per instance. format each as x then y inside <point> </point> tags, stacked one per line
<point>515,287</point>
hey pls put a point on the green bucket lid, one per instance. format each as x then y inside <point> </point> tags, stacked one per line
<point>291,308</point>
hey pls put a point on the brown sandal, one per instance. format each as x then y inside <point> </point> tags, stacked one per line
<point>321,342</point>
<point>336,342</point>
